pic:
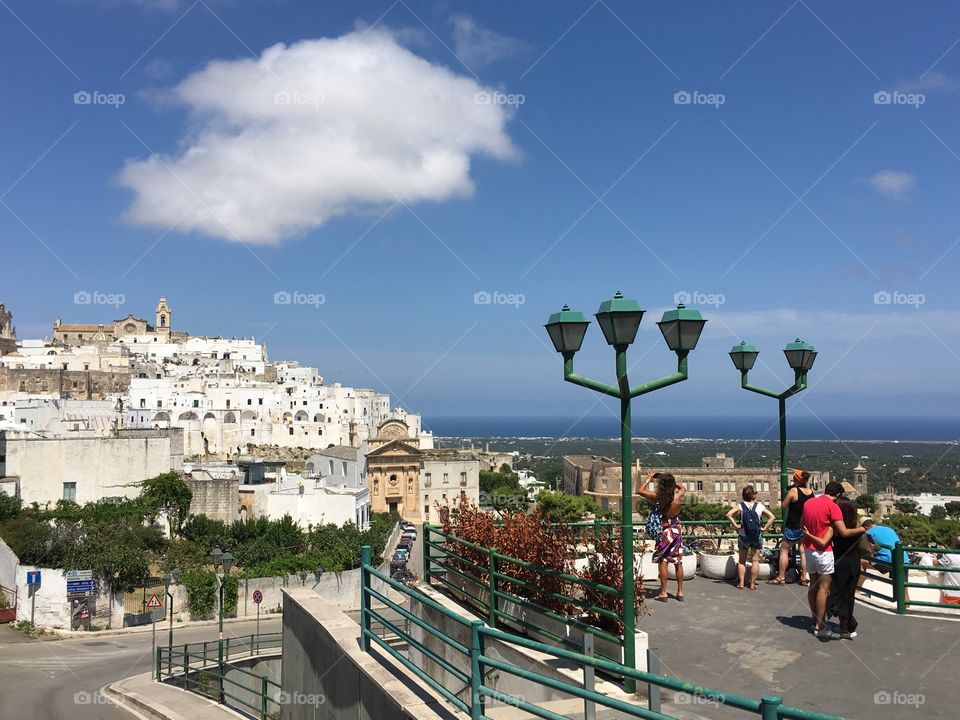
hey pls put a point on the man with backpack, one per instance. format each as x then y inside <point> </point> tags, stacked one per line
<point>750,534</point>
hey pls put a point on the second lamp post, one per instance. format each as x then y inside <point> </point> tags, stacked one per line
<point>800,357</point>
<point>619,319</point>
<point>221,560</point>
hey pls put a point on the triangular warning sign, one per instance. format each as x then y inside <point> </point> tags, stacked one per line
<point>154,603</point>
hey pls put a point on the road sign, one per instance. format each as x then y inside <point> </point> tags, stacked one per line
<point>79,575</point>
<point>257,597</point>
<point>33,577</point>
<point>75,586</point>
<point>154,603</point>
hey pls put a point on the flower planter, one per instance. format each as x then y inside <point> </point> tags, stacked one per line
<point>650,570</point>
<point>718,567</point>
<point>8,614</point>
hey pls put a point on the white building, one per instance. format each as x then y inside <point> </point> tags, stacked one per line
<point>338,466</point>
<point>84,466</point>
<point>308,503</point>
<point>443,478</point>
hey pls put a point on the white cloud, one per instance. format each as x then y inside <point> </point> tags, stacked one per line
<point>892,183</point>
<point>283,143</point>
<point>476,46</point>
<point>935,81</point>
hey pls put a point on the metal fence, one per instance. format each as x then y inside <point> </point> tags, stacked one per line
<point>198,667</point>
<point>898,577</point>
<point>504,588</point>
<point>475,663</point>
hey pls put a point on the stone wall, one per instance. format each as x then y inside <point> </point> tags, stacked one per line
<point>217,498</point>
<point>74,384</point>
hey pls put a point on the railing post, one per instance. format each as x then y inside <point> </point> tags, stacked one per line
<point>186,666</point>
<point>425,552</point>
<point>263,697</point>
<point>476,670</point>
<point>492,604</point>
<point>589,707</point>
<point>227,651</point>
<point>596,530</point>
<point>366,557</point>
<point>159,653</point>
<point>653,691</point>
<point>770,707</point>
<point>899,588</point>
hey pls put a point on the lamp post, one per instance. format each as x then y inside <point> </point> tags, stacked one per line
<point>221,560</point>
<point>171,578</point>
<point>619,319</point>
<point>800,357</point>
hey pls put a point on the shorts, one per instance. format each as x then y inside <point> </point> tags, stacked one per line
<point>744,544</point>
<point>792,534</point>
<point>819,562</point>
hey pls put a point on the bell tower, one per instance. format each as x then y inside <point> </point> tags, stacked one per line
<point>163,319</point>
<point>860,479</point>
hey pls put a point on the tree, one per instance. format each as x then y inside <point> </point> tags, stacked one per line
<point>866,502</point>
<point>168,493</point>
<point>507,498</point>
<point>562,508</point>
<point>10,507</point>
<point>907,506</point>
<point>938,512</point>
<point>953,508</point>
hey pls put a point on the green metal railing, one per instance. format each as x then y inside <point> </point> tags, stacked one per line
<point>196,667</point>
<point>489,588</point>
<point>470,664</point>
<point>688,526</point>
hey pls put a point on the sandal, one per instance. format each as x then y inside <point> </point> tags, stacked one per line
<point>662,598</point>
<point>753,586</point>
<point>805,583</point>
<point>776,581</point>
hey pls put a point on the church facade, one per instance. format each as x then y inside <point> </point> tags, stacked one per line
<point>75,335</point>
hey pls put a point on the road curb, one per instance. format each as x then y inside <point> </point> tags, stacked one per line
<point>160,626</point>
<point>155,707</point>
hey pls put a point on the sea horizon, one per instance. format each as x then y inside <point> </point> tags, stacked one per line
<point>827,428</point>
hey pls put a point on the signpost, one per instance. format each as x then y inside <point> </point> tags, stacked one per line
<point>154,604</point>
<point>257,599</point>
<point>80,588</point>
<point>33,582</point>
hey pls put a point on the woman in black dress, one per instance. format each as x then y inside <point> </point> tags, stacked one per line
<point>846,572</point>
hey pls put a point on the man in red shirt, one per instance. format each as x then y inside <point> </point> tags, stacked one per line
<point>819,515</point>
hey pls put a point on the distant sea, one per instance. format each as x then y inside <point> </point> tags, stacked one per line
<point>708,428</point>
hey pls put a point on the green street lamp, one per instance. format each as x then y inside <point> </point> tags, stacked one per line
<point>171,578</point>
<point>221,560</point>
<point>800,356</point>
<point>619,320</point>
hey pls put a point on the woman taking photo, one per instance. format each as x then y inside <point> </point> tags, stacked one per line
<point>666,500</point>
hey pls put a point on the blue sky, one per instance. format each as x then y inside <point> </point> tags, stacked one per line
<point>540,150</point>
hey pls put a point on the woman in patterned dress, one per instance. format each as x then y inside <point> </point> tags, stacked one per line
<point>667,497</point>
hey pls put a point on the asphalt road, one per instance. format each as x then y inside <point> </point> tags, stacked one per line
<point>60,679</point>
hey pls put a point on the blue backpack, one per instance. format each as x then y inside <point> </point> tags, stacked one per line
<point>750,522</point>
<point>655,522</point>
